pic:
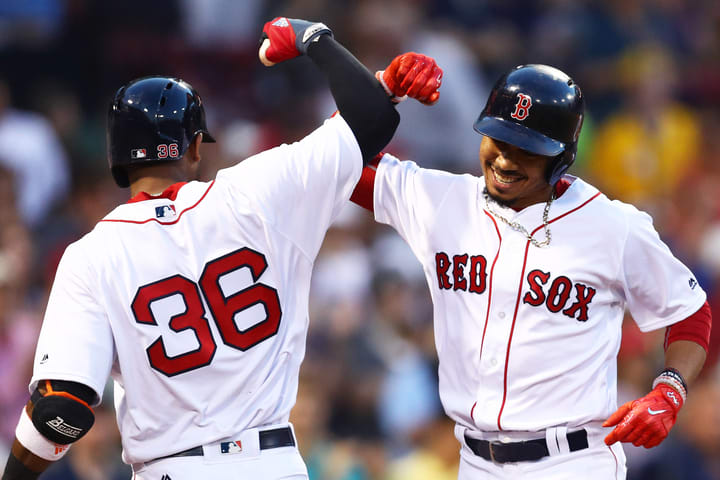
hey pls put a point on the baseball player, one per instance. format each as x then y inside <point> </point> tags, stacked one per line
<point>530,272</point>
<point>193,296</point>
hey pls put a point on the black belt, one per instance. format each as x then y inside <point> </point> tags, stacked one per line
<point>522,451</point>
<point>279,437</point>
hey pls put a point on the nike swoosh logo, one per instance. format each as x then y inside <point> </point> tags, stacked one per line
<point>655,412</point>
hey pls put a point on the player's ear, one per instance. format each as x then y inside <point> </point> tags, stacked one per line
<point>193,151</point>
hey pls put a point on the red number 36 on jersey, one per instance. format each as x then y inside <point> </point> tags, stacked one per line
<point>223,311</point>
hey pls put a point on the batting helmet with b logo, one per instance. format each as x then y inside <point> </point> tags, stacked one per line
<point>152,119</point>
<point>537,108</point>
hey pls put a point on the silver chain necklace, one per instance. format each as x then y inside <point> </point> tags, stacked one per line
<point>517,227</point>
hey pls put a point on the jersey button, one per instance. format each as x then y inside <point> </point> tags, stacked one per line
<point>501,314</point>
<point>493,361</point>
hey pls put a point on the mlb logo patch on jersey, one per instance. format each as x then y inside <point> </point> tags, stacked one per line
<point>138,153</point>
<point>231,447</point>
<point>165,211</point>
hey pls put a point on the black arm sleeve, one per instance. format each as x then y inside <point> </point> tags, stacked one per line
<point>16,470</point>
<point>360,98</point>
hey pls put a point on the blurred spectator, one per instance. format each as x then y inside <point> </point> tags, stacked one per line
<point>30,22</point>
<point>642,151</point>
<point>30,148</point>
<point>19,327</point>
<point>435,456</point>
<point>367,405</point>
<point>326,458</point>
<point>408,396</point>
<point>96,456</point>
<point>221,23</point>
<point>692,451</point>
<point>440,136</point>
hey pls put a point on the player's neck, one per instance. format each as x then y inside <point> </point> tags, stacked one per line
<point>153,185</point>
<point>154,179</point>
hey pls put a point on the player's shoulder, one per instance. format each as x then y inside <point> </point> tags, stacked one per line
<point>255,168</point>
<point>79,255</point>
<point>167,208</point>
<point>412,180</point>
<point>606,212</point>
<point>390,163</point>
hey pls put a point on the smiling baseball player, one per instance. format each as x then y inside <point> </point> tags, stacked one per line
<point>193,296</point>
<point>530,272</point>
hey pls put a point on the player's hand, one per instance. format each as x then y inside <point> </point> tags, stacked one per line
<point>412,75</point>
<point>647,420</point>
<point>285,38</point>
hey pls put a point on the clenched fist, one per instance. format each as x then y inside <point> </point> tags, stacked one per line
<point>285,38</point>
<point>412,75</point>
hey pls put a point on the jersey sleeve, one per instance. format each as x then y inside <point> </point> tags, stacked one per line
<point>76,341</point>
<point>408,198</point>
<point>300,188</point>
<point>659,289</point>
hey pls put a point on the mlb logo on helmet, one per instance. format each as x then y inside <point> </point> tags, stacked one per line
<point>138,153</point>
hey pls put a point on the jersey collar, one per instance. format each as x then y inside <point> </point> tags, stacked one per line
<point>170,193</point>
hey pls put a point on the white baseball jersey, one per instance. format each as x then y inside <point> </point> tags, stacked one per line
<point>196,301</point>
<point>527,337</point>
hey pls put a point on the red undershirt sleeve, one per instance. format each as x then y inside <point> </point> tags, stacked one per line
<point>695,328</point>
<point>365,189</point>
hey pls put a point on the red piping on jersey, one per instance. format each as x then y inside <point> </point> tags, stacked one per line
<point>616,460</point>
<point>517,302</point>
<point>490,281</point>
<point>156,220</point>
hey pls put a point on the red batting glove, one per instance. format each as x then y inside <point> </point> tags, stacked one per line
<point>289,38</point>
<point>414,75</point>
<point>647,420</point>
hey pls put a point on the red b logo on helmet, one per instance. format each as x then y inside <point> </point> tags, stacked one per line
<point>522,108</point>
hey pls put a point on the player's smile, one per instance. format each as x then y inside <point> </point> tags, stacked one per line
<point>513,176</point>
<point>504,178</point>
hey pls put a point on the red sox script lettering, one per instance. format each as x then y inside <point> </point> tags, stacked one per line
<point>476,272</point>
<point>468,273</point>
<point>558,295</point>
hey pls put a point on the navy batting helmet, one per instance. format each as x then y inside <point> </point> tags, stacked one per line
<point>152,120</point>
<point>539,109</point>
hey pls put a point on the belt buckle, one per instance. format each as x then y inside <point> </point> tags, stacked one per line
<point>492,453</point>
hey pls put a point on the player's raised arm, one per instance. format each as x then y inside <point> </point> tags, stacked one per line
<point>409,75</point>
<point>360,99</point>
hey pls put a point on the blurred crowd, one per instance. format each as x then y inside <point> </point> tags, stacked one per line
<point>368,406</point>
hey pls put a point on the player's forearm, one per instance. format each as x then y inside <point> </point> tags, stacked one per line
<point>361,100</point>
<point>686,357</point>
<point>22,464</point>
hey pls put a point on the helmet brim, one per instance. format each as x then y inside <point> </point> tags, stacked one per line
<point>522,137</point>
